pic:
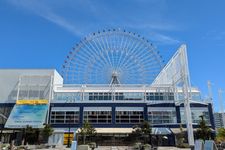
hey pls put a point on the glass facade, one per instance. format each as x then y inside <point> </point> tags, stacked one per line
<point>68,96</point>
<point>71,97</point>
<point>162,115</point>
<point>129,115</point>
<point>196,96</point>
<point>98,115</point>
<point>124,115</point>
<point>168,96</point>
<point>196,112</point>
<point>109,96</point>
<point>129,96</point>
<point>64,115</point>
<point>100,96</point>
<point>118,96</point>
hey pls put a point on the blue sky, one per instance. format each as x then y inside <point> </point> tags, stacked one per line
<point>40,33</point>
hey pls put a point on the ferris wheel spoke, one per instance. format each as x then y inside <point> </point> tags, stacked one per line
<point>92,50</point>
<point>109,50</point>
<point>106,52</point>
<point>100,59</point>
<point>112,50</point>
<point>87,48</point>
<point>86,55</point>
<point>121,46</point>
<point>119,63</point>
<point>102,51</point>
<point>118,51</point>
<point>131,54</point>
<point>124,43</point>
<point>100,48</point>
<point>94,47</point>
<point>138,58</point>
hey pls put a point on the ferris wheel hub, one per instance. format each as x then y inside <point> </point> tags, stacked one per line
<point>115,79</point>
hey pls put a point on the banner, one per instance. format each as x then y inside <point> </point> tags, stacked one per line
<point>32,102</point>
<point>24,115</point>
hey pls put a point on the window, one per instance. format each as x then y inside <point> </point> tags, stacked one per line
<point>64,117</point>
<point>196,96</point>
<point>98,117</point>
<point>133,96</point>
<point>196,112</point>
<point>68,97</point>
<point>166,96</point>
<point>161,115</point>
<point>134,117</point>
<point>99,96</point>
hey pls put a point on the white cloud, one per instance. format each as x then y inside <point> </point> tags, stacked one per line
<point>163,39</point>
<point>216,36</point>
<point>93,10</point>
<point>47,13</point>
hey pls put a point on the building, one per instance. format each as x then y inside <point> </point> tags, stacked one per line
<point>218,120</point>
<point>38,96</point>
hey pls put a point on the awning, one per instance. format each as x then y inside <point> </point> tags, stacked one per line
<point>156,131</point>
<point>113,130</point>
<point>177,130</point>
<point>161,131</point>
<point>98,130</point>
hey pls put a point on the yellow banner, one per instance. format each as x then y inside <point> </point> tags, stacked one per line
<point>32,102</point>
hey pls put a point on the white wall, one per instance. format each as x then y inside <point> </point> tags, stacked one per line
<point>9,79</point>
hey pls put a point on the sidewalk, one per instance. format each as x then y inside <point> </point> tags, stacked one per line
<point>119,148</point>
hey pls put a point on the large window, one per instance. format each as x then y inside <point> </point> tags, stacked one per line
<point>196,112</point>
<point>68,97</point>
<point>98,115</point>
<point>129,96</point>
<point>100,96</point>
<point>196,96</point>
<point>162,115</point>
<point>64,115</point>
<point>133,115</point>
<point>156,96</point>
<point>118,96</point>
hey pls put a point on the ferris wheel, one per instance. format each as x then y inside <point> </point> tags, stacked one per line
<point>112,56</point>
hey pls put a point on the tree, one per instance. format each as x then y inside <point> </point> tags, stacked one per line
<point>203,132</point>
<point>136,133</point>
<point>31,134</point>
<point>180,137</point>
<point>220,137</point>
<point>46,132</point>
<point>142,130</point>
<point>86,131</point>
